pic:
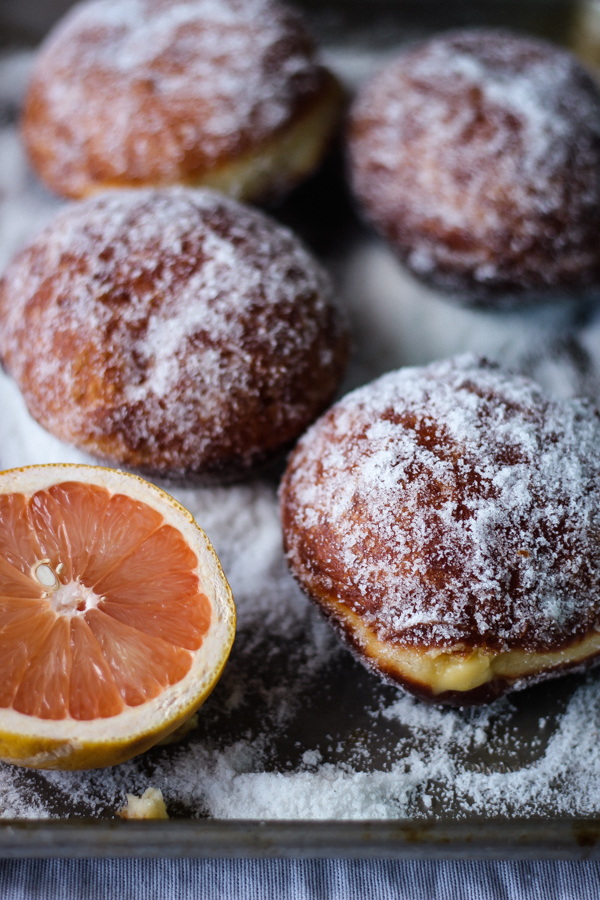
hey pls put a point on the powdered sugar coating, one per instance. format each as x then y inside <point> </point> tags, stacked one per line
<point>477,154</point>
<point>174,330</point>
<point>451,504</point>
<point>156,91</point>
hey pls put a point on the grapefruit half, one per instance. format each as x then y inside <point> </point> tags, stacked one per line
<point>116,619</point>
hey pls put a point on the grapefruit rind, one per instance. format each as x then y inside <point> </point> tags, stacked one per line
<point>75,744</point>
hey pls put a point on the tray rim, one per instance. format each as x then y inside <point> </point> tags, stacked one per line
<point>564,838</point>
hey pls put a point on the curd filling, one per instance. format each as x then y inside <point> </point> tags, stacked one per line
<point>461,669</point>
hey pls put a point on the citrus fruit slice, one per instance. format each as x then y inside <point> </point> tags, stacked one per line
<point>115,616</point>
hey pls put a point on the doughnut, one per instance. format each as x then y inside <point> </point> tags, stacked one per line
<point>476,154</point>
<point>225,94</point>
<point>446,520</point>
<point>173,331</point>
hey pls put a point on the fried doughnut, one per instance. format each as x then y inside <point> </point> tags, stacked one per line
<point>477,155</point>
<point>219,93</point>
<point>174,331</point>
<point>446,519</point>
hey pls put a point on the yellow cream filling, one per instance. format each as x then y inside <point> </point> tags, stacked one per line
<point>461,669</point>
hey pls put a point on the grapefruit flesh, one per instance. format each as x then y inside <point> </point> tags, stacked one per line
<point>102,609</point>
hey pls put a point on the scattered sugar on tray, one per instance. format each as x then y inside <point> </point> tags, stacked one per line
<point>24,442</point>
<point>408,323</point>
<point>243,524</point>
<point>311,758</point>
<point>18,800</point>
<point>331,793</point>
<point>24,205</point>
<point>566,779</point>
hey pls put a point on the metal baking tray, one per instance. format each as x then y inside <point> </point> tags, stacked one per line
<point>339,712</point>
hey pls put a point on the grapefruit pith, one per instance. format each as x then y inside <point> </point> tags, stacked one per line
<point>115,616</point>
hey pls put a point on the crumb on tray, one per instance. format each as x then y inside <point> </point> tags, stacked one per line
<point>149,806</point>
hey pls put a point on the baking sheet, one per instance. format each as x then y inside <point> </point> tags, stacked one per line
<point>296,730</point>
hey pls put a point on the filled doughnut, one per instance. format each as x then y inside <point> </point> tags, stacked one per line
<point>446,519</point>
<point>174,331</point>
<point>477,155</point>
<point>227,94</point>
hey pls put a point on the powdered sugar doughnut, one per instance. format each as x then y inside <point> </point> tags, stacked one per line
<point>175,331</point>
<point>220,93</point>
<point>447,520</point>
<point>477,154</point>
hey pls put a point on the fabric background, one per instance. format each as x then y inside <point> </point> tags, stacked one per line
<point>166,879</point>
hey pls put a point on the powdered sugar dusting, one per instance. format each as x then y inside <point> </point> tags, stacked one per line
<point>452,503</point>
<point>152,88</point>
<point>152,326</point>
<point>478,155</point>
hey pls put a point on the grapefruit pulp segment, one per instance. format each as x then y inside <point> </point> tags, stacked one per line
<point>48,520</point>
<point>93,692</point>
<point>142,563</point>
<point>126,524</point>
<point>20,639</point>
<point>184,625</point>
<point>18,543</point>
<point>44,687</point>
<point>18,609</point>
<point>13,583</point>
<point>81,509</point>
<point>142,666</point>
<point>168,587</point>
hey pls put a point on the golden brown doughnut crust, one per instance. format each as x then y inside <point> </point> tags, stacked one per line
<point>477,155</point>
<point>157,92</point>
<point>451,509</point>
<point>175,331</point>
